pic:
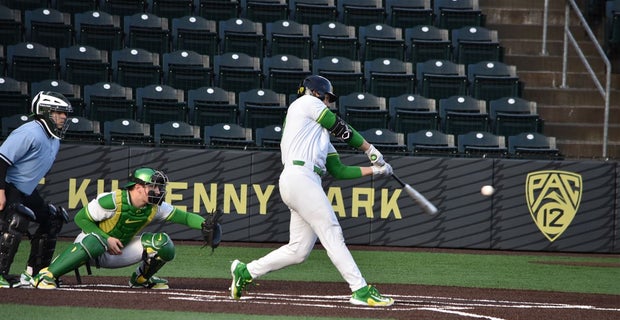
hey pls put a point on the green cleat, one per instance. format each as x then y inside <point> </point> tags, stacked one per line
<point>4,283</point>
<point>44,280</point>
<point>370,296</point>
<point>240,278</point>
<point>152,283</point>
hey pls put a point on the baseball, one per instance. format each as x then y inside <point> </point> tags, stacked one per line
<point>487,190</point>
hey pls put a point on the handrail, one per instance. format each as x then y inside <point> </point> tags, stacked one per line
<point>568,36</point>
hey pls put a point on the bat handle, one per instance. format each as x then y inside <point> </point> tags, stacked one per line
<point>402,183</point>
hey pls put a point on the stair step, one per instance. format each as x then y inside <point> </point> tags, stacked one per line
<point>512,4</point>
<point>526,16</point>
<point>552,63</point>
<point>577,149</point>
<point>521,31</point>
<point>554,47</point>
<point>579,114</point>
<point>568,97</point>
<point>573,79</point>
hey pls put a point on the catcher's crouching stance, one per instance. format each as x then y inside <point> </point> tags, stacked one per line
<point>110,225</point>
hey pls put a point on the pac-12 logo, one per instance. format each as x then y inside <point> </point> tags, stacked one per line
<point>553,198</point>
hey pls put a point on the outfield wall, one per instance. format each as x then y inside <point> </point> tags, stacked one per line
<point>568,206</point>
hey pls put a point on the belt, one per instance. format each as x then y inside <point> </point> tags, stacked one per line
<point>314,168</point>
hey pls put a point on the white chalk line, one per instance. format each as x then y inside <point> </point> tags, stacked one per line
<point>449,305</point>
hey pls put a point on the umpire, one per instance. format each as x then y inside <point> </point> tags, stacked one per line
<point>25,157</point>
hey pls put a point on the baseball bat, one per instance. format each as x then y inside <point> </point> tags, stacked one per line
<point>426,205</point>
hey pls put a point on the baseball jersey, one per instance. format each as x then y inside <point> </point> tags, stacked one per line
<point>303,137</point>
<point>30,153</point>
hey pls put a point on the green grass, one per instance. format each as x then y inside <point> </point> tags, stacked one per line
<point>514,271</point>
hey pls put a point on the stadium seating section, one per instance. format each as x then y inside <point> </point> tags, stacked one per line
<point>417,77</point>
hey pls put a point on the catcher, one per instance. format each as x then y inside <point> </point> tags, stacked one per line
<point>110,232</point>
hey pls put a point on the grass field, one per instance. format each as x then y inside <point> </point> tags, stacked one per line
<point>583,273</point>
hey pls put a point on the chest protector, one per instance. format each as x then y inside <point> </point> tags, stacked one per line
<point>128,220</point>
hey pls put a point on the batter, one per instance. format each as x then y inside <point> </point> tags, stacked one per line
<point>307,154</point>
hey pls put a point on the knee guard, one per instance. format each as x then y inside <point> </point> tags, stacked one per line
<point>158,249</point>
<point>13,224</point>
<point>90,247</point>
<point>43,244</point>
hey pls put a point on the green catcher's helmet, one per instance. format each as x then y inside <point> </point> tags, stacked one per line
<point>148,176</point>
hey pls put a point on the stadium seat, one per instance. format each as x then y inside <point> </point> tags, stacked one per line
<point>359,13</point>
<point>228,136</point>
<point>147,31</point>
<point>170,9</point>
<point>177,134</point>
<point>386,140</point>
<point>195,33</point>
<point>24,5</point>
<point>479,144</point>
<point>363,111</point>
<point>409,13</point>
<point>122,7</point>
<point>49,27</point>
<point>513,115</point>
<point>533,145</point>
<point>237,72</point>
<point>454,14</point>
<point>269,137</point>
<point>345,75</point>
<point>491,80</point>
<point>11,26</point>
<point>462,114</point>
<point>439,79</point>
<point>431,143</point>
<point>261,107</point>
<point>264,11</point>
<point>218,10</point>
<point>74,6</point>
<point>242,36</point>
<point>15,97</point>
<point>288,37</point>
<point>381,41</point>
<point>411,113</point>
<point>99,29</point>
<point>106,101</point>
<point>12,122</point>
<point>283,73</point>
<point>134,67</point>
<point>211,105</point>
<point>333,38</point>
<point>388,77</point>
<point>84,65</point>
<point>426,42</point>
<point>187,70</point>
<point>160,103</point>
<point>71,91</point>
<point>83,131</point>
<point>311,12</point>
<point>127,132</point>
<point>31,62</point>
<point>475,44</point>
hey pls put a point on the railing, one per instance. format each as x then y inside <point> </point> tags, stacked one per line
<point>568,36</point>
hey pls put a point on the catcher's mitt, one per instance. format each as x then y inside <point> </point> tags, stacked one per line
<point>212,230</point>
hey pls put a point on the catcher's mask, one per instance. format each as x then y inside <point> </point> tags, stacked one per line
<point>43,104</point>
<point>317,84</point>
<point>148,176</point>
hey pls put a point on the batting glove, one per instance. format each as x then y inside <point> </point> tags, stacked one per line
<point>384,170</point>
<point>375,156</point>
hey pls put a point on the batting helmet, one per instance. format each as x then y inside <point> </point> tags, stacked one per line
<point>317,84</point>
<point>44,103</point>
<point>148,176</point>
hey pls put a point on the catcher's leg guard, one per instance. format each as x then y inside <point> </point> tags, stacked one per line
<point>13,223</point>
<point>158,249</point>
<point>43,242</point>
<point>90,247</point>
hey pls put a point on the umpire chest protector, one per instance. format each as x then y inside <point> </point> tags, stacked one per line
<point>127,220</point>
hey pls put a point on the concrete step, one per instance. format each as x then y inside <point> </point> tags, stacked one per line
<point>554,47</point>
<point>594,115</point>
<point>568,96</point>
<point>578,149</point>
<point>526,16</point>
<point>513,4</point>
<point>580,131</point>
<point>507,31</point>
<point>553,63</point>
<point>573,79</point>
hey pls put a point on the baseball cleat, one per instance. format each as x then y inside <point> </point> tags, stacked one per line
<point>151,283</point>
<point>370,296</point>
<point>240,278</point>
<point>44,280</point>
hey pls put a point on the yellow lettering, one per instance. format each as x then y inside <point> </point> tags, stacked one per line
<point>202,197</point>
<point>77,195</point>
<point>334,195</point>
<point>240,201</point>
<point>263,197</point>
<point>171,196</point>
<point>359,203</point>
<point>101,186</point>
<point>389,204</point>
